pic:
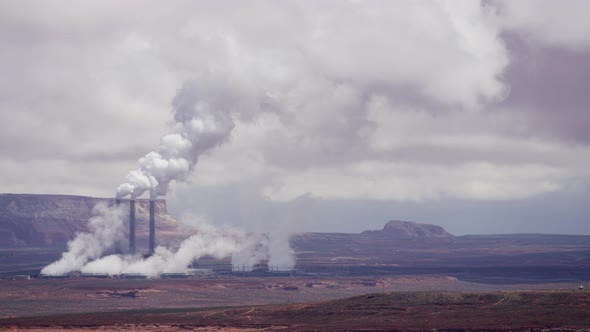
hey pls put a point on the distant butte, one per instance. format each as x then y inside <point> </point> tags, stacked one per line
<point>408,229</point>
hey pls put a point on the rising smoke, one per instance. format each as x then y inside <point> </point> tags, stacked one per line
<point>210,241</point>
<point>106,228</point>
<point>319,69</point>
<point>203,121</point>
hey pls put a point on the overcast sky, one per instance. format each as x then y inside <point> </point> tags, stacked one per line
<point>473,116</point>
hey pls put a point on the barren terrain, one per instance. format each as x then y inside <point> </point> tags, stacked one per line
<point>79,295</point>
<point>398,311</point>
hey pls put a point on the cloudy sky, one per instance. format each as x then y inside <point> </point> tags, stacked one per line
<point>474,116</point>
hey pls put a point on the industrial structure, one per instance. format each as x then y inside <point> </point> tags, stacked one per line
<point>132,226</point>
<point>152,226</point>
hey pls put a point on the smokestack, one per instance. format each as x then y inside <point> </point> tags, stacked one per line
<point>152,227</point>
<point>132,226</point>
<point>117,244</point>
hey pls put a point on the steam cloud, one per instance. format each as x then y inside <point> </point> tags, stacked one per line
<point>245,249</point>
<point>203,120</point>
<point>86,251</point>
<point>106,228</point>
<point>319,76</point>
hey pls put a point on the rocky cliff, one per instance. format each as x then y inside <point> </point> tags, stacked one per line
<point>52,220</point>
<point>407,229</point>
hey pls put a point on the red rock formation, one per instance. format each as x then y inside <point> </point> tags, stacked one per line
<point>52,220</point>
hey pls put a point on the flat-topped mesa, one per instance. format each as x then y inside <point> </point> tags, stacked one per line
<point>408,229</point>
<point>52,220</point>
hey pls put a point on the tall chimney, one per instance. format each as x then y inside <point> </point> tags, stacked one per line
<point>132,226</point>
<point>117,244</point>
<point>152,227</point>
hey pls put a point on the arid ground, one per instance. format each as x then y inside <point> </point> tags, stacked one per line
<point>290,303</point>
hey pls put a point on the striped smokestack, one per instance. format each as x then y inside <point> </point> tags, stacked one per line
<point>152,227</point>
<point>132,226</point>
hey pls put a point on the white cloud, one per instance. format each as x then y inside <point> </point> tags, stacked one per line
<point>410,155</point>
<point>447,51</point>
<point>400,181</point>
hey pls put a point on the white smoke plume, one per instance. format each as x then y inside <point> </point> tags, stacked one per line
<point>246,250</point>
<point>106,228</point>
<point>255,250</point>
<point>281,255</point>
<point>86,250</point>
<point>317,71</point>
<point>203,120</point>
<point>210,241</point>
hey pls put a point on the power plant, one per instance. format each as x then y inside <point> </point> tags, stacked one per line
<point>132,227</point>
<point>140,260</point>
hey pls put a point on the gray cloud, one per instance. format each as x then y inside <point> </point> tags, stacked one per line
<point>548,88</point>
<point>413,102</point>
<point>548,22</point>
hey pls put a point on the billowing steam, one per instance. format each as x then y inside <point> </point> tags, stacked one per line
<point>106,228</point>
<point>202,115</point>
<point>202,121</point>
<point>211,241</point>
<point>86,251</point>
